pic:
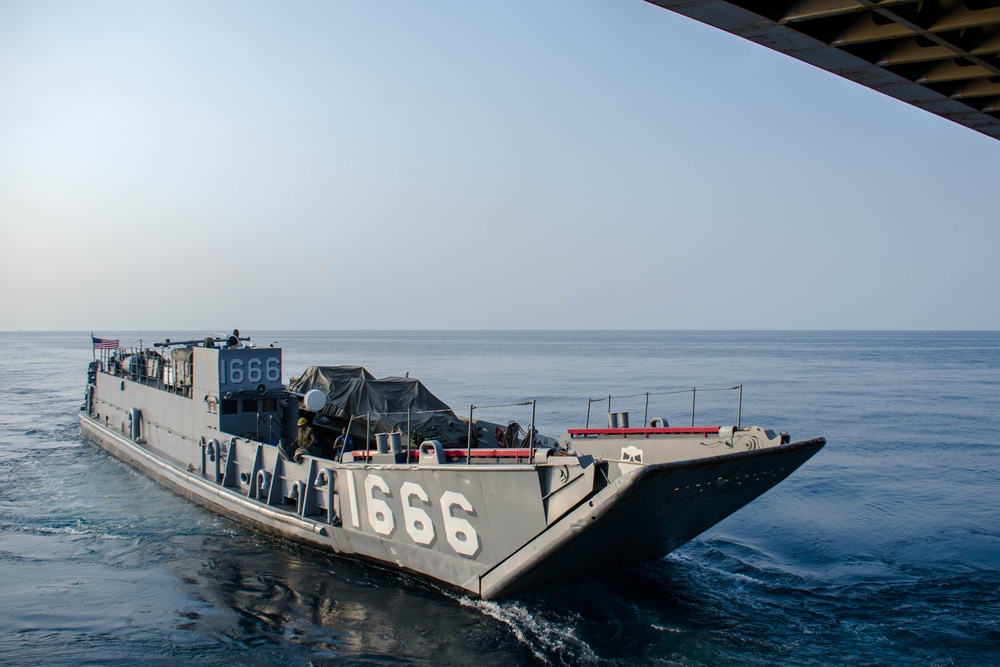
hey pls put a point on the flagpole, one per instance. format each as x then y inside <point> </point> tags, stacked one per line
<point>93,352</point>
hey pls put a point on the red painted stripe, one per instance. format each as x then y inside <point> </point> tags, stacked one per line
<point>705,430</point>
<point>489,453</point>
<point>461,453</point>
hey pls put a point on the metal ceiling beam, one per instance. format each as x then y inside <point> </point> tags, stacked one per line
<point>942,56</point>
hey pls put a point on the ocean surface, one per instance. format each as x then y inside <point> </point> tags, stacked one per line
<point>884,549</point>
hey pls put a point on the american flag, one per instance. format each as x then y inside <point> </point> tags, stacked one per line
<point>104,343</point>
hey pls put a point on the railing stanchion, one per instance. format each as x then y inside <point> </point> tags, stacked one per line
<point>587,423</point>
<point>645,412</point>
<point>468,445</point>
<point>694,391</point>
<point>739,410</point>
<point>531,434</point>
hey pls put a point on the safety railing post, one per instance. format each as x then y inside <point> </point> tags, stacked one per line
<point>694,391</point>
<point>531,434</point>
<point>739,410</point>
<point>468,444</point>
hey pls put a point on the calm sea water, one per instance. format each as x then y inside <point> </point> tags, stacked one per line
<point>883,549</point>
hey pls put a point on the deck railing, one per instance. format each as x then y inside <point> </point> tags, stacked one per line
<point>694,394</point>
<point>472,409</point>
<point>531,435</point>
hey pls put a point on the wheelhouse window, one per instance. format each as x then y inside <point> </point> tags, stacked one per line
<point>230,406</point>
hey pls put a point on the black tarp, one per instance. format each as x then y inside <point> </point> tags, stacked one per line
<point>323,377</point>
<point>387,401</point>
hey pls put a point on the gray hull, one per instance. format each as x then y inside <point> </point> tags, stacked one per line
<point>639,517</point>
<point>486,522</point>
<point>667,504</point>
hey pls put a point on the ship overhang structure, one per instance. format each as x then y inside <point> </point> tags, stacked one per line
<point>942,56</point>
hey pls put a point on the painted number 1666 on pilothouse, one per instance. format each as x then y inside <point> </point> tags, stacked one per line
<point>249,370</point>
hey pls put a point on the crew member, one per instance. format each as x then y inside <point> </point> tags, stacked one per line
<point>343,443</point>
<point>305,439</point>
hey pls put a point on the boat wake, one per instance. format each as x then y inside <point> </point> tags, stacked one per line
<point>551,640</point>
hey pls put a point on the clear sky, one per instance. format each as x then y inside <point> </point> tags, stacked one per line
<point>578,164</point>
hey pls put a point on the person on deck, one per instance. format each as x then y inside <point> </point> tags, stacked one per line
<point>343,443</point>
<point>306,439</point>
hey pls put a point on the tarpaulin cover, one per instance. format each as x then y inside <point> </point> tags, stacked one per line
<point>323,377</point>
<point>388,401</point>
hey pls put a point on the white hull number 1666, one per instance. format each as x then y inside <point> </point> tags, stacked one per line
<point>461,535</point>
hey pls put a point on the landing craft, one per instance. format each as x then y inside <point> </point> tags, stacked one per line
<point>485,508</point>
